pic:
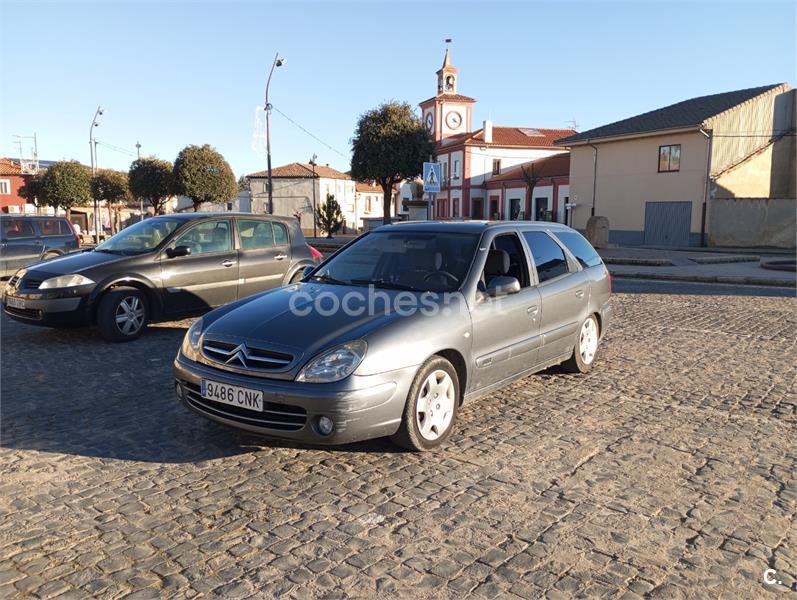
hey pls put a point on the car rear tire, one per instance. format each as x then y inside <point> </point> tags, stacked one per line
<point>586,347</point>
<point>431,407</point>
<point>49,255</point>
<point>122,314</point>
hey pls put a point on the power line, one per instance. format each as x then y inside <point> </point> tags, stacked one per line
<point>116,148</point>
<point>316,138</point>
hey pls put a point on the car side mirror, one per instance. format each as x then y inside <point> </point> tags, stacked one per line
<point>178,251</point>
<point>307,270</point>
<point>502,286</point>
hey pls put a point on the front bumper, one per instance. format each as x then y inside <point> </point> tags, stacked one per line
<point>62,308</point>
<point>360,407</point>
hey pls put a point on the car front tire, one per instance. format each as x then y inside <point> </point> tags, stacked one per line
<point>122,314</point>
<point>431,407</point>
<point>586,347</point>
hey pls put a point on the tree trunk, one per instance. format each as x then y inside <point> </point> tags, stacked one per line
<point>387,199</point>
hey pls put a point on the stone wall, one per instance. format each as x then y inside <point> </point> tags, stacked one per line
<point>751,222</point>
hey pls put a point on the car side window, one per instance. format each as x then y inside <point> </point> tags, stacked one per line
<point>49,227</point>
<point>256,234</point>
<point>580,248</point>
<point>14,229</point>
<point>280,234</point>
<point>506,258</point>
<point>207,238</point>
<point>549,258</point>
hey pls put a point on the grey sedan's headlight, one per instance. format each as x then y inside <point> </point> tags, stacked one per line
<point>335,364</point>
<point>64,281</point>
<point>191,340</point>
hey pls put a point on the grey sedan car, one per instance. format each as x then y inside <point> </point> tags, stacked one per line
<point>394,333</point>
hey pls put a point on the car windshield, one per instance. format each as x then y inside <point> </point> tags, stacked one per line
<point>141,237</point>
<point>405,260</point>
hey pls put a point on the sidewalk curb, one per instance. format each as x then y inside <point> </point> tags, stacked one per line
<point>782,283</point>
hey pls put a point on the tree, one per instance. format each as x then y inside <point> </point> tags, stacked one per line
<point>66,184</point>
<point>151,179</point>
<point>111,186</point>
<point>31,191</point>
<point>243,183</point>
<point>328,216</point>
<point>532,177</point>
<point>390,144</point>
<point>203,175</point>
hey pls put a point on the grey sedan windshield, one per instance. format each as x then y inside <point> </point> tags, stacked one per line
<point>394,333</point>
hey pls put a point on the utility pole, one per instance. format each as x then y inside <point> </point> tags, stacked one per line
<point>140,200</point>
<point>278,62</point>
<point>93,152</point>
<point>312,162</point>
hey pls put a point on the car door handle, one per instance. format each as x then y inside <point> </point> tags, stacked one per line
<point>533,310</point>
<point>579,293</point>
<point>227,263</point>
<point>281,256</point>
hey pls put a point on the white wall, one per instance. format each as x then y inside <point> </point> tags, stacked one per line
<point>481,161</point>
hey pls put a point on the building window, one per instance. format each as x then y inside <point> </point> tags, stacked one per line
<point>5,187</point>
<point>496,166</point>
<point>445,174</point>
<point>669,158</point>
<point>455,172</point>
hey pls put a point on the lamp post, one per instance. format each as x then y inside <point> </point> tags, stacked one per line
<point>140,200</point>
<point>278,62</point>
<point>313,163</point>
<point>92,151</point>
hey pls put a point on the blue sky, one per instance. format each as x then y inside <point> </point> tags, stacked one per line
<point>174,73</point>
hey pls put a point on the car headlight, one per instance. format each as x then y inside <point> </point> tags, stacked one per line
<point>191,340</point>
<point>335,364</point>
<point>64,281</point>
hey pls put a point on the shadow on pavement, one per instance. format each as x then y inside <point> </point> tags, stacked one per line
<point>682,288</point>
<point>68,391</point>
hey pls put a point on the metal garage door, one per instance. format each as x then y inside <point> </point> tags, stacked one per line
<point>667,223</point>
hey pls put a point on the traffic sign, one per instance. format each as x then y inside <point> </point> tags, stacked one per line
<point>431,177</point>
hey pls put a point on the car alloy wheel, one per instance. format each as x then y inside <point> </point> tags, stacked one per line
<point>130,315</point>
<point>588,340</point>
<point>434,408</point>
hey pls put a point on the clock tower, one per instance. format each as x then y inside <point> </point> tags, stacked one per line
<point>448,113</point>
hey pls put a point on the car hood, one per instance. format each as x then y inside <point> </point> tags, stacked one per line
<point>75,262</point>
<point>291,319</point>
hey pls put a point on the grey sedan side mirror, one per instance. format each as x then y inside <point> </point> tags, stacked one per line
<point>307,270</point>
<point>178,251</point>
<point>502,286</point>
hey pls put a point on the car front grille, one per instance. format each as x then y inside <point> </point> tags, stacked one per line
<point>25,313</point>
<point>244,356</point>
<point>31,283</point>
<point>281,417</point>
<point>13,281</point>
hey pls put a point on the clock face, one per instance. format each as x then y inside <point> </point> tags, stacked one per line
<point>453,119</point>
<point>429,121</point>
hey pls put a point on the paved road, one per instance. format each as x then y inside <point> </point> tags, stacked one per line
<point>668,471</point>
<point>652,286</point>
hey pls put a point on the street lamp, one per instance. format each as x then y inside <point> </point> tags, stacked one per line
<point>313,163</point>
<point>93,152</point>
<point>140,200</point>
<point>278,62</point>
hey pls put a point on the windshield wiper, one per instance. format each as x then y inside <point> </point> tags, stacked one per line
<point>328,279</point>
<point>107,250</point>
<point>390,285</point>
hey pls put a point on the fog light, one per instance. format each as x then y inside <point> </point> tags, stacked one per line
<point>178,389</point>
<point>325,425</point>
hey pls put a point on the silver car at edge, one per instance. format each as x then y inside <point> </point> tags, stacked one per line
<point>391,335</point>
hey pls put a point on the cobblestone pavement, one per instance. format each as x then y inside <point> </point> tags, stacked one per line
<point>668,471</point>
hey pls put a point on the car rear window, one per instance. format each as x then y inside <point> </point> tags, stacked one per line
<point>580,248</point>
<point>549,258</point>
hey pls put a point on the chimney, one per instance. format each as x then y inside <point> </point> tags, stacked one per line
<point>488,132</point>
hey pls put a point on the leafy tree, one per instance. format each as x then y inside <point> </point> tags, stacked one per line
<point>328,216</point>
<point>202,174</point>
<point>66,184</point>
<point>390,144</point>
<point>243,183</point>
<point>31,191</point>
<point>151,179</point>
<point>111,186</point>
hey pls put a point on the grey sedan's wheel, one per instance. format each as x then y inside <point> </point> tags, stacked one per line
<point>122,314</point>
<point>431,407</point>
<point>585,348</point>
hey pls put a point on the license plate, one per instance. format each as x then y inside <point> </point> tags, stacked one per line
<point>15,302</point>
<point>232,394</point>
